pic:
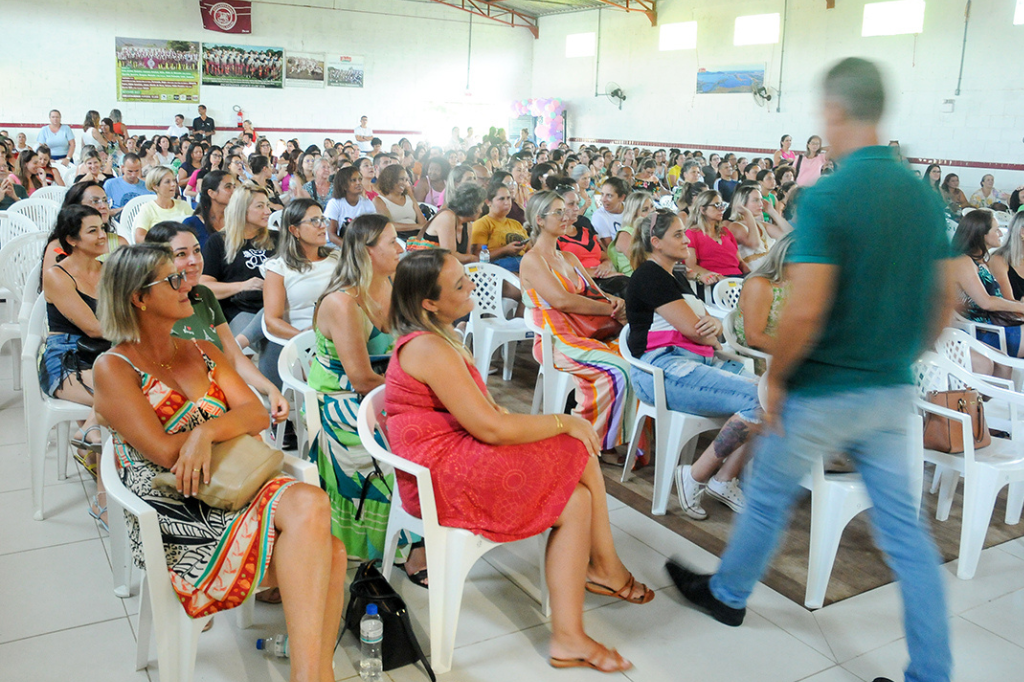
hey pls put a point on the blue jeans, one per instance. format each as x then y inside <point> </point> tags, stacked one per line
<point>1012,339</point>
<point>510,263</point>
<point>698,385</point>
<point>870,426</point>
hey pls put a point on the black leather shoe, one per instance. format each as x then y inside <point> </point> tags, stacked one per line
<point>882,679</point>
<point>694,587</point>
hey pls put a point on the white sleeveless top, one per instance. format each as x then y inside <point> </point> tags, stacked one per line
<point>401,213</point>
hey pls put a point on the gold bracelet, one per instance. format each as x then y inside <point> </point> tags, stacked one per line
<point>558,423</point>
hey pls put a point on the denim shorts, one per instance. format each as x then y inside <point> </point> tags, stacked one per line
<point>53,370</point>
<point>510,263</point>
<point>700,385</point>
<point>1012,340</point>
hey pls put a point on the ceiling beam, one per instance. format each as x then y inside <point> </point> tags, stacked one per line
<point>648,7</point>
<point>490,10</point>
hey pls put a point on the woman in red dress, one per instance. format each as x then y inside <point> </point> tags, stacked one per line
<point>504,476</point>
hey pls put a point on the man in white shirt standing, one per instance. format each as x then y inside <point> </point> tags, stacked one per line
<point>364,136</point>
<point>178,129</point>
<point>608,219</point>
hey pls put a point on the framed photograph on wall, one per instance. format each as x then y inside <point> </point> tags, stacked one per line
<point>345,71</point>
<point>304,70</point>
<point>245,66</point>
<point>151,70</point>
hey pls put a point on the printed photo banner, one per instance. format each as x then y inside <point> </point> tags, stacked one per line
<point>730,79</point>
<point>245,66</point>
<point>157,70</point>
<point>345,71</point>
<point>304,70</point>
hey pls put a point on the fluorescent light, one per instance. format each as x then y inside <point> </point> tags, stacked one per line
<point>893,18</point>
<point>756,29</point>
<point>1018,16</point>
<point>580,45</point>
<point>681,36</point>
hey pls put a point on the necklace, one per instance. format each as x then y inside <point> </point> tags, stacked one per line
<point>168,365</point>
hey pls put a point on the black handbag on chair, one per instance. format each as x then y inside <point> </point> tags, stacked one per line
<point>399,647</point>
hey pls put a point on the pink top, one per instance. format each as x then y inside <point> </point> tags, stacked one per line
<point>721,258</point>
<point>810,170</point>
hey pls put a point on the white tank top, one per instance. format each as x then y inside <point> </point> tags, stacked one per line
<point>400,213</point>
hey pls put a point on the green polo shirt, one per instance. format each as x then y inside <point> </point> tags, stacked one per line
<point>885,231</point>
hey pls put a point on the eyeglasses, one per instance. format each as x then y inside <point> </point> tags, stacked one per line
<point>319,221</point>
<point>719,205</point>
<point>96,201</point>
<point>560,212</point>
<point>174,280</point>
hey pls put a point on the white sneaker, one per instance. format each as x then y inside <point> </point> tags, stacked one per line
<point>690,493</point>
<point>728,493</point>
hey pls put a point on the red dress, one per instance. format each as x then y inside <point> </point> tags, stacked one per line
<point>502,492</point>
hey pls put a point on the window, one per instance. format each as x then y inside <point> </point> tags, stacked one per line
<point>893,18</point>
<point>756,29</point>
<point>1018,16</point>
<point>681,36</point>
<point>581,45</point>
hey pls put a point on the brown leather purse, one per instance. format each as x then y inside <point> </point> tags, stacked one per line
<point>946,435</point>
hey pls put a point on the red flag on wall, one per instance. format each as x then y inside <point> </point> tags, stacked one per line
<point>227,16</point>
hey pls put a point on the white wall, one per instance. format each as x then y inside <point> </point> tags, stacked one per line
<point>416,64</point>
<point>986,126</point>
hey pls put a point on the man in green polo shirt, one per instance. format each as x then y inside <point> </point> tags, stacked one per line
<point>869,293</point>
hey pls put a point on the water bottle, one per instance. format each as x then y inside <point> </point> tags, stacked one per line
<point>485,255</point>
<point>371,634</point>
<point>276,645</point>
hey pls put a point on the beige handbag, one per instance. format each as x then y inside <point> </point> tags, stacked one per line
<point>947,435</point>
<point>239,468</point>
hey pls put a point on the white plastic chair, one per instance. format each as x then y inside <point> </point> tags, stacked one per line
<point>674,431</point>
<point>451,552</point>
<point>986,470</point>
<point>29,294</point>
<point>961,322</point>
<point>126,218</point>
<point>489,323</point>
<point>297,356</point>
<point>42,412</point>
<point>18,258</point>
<point>160,612</point>
<point>67,174</point>
<point>274,221</point>
<point>729,331</point>
<point>43,212</point>
<point>726,293</point>
<point>553,385</point>
<point>53,193</point>
<point>13,225</point>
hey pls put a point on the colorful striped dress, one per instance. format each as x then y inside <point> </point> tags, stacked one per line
<point>604,396</point>
<point>216,558</point>
<point>360,493</point>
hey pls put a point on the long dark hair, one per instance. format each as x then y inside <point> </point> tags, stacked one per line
<point>69,224</point>
<point>417,280</point>
<point>969,238</point>
<point>934,184</point>
<point>211,183</point>
<point>77,191</point>
<point>166,230</point>
<point>341,180</point>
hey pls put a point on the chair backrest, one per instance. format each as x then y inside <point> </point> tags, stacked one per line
<point>297,356</point>
<point>29,294</point>
<point>67,174</point>
<point>726,293</point>
<point>955,346</point>
<point>33,335</point>
<point>14,225</point>
<point>274,222</point>
<point>374,439</point>
<point>489,280</point>
<point>53,193</point>
<point>43,212</point>
<point>729,330</point>
<point>126,219</point>
<point>18,258</point>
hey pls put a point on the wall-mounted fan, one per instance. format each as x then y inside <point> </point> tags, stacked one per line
<point>614,94</point>
<point>764,94</point>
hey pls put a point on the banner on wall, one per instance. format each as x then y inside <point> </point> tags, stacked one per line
<point>157,70</point>
<point>245,66</point>
<point>730,79</point>
<point>345,71</point>
<point>304,70</point>
<point>227,16</point>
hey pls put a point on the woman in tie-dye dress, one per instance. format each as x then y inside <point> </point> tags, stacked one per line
<point>215,558</point>
<point>554,283</point>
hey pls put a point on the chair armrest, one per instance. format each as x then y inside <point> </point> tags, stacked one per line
<point>729,354</point>
<point>944,412</point>
<point>716,310</point>
<point>301,470</point>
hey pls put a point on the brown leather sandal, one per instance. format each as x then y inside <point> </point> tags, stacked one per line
<point>625,593</point>
<point>601,654</point>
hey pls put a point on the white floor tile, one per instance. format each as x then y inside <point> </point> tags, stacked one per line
<point>1002,616</point>
<point>16,470</point>
<point>835,674</point>
<point>104,652</point>
<point>12,421</point>
<point>1014,547</point>
<point>998,573</point>
<point>614,503</point>
<point>791,617</point>
<point>46,590</point>
<point>860,624</point>
<point>67,519</point>
<point>978,656</point>
<point>663,540</point>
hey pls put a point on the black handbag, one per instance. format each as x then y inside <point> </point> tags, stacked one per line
<point>399,646</point>
<point>89,349</point>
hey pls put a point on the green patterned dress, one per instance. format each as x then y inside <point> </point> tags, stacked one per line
<point>347,471</point>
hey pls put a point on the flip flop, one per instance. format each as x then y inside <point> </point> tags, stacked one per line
<point>602,653</point>
<point>418,578</point>
<point>90,467</point>
<point>624,593</point>
<point>271,596</point>
<point>94,503</point>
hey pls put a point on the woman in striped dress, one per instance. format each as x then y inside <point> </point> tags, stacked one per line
<point>554,287</point>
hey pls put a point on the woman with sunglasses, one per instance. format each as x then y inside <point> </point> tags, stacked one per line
<point>713,253</point>
<point>168,401</point>
<point>665,331</point>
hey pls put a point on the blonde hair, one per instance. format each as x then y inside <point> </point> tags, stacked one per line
<point>125,272</point>
<point>537,205</point>
<point>632,205</point>
<point>156,175</point>
<point>697,220</point>
<point>417,279</point>
<point>355,269</point>
<point>235,220</point>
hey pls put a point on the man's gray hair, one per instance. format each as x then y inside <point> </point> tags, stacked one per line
<point>856,85</point>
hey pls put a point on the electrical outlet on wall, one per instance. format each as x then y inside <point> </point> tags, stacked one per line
<point>948,105</point>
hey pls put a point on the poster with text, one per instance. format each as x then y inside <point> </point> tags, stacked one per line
<point>730,79</point>
<point>244,66</point>
<point>304,70</point>
<point>157,70</point>
<point>345,71</point>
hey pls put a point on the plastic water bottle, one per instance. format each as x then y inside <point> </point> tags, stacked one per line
<point>276,646</point>
<point>485,255</point>
<point>371,634</point>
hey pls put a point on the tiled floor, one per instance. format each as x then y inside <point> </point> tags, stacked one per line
<point>60,621</point>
